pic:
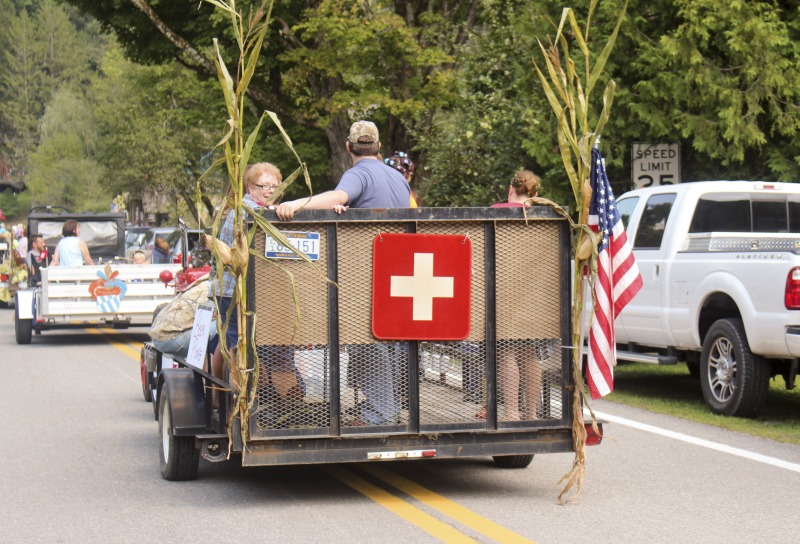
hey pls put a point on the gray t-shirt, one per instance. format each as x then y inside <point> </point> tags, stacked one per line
<point>372,184</point>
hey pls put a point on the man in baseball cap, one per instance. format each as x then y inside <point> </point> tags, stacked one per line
<point>364,132</point>
<point>368,184</point>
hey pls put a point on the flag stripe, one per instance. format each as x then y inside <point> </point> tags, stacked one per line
<point>617,281</point>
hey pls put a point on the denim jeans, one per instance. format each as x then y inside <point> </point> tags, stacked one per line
<point>377,382</point>
<point>179,346</point>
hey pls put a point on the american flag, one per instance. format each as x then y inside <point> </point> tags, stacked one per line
<point>617,282</point>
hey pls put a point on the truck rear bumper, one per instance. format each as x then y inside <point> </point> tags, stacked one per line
<point>284,452</point>
<point>793,340</point>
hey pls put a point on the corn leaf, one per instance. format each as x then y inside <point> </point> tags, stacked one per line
<point>600,64</point>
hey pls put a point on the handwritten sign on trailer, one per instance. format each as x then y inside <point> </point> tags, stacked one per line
<point>655,164</point>
<point>305,242</point>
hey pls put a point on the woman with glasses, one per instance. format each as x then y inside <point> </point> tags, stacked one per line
<point>261,180</point>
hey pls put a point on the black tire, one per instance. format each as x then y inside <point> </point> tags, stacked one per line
<point>734,381</point>
<point>23,329</point>
<point>179,459</point>
<point>146,378</point>
<point>512,461</point>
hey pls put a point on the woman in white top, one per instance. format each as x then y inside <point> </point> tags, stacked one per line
<point>71,251</point>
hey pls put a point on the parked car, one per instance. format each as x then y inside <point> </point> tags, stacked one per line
<point>175,241</point>
<point>145,239</point>
<point>135,238</point>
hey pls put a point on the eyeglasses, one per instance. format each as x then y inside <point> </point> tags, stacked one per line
<point>268,187</point>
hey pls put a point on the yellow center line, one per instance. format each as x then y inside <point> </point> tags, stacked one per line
<point>126,348</point>
<point>397,506</point>
<point>447,507</point>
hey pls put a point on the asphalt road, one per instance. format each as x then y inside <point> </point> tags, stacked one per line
<point>80,464</point>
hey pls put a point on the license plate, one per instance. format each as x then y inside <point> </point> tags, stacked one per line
<point>305,242</point>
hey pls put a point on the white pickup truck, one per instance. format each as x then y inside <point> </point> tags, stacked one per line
<point>720,261</point>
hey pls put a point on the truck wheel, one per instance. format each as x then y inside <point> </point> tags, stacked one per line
<point>512,461</point>
<point>179,458</point>
<point>734,381</point>
<point>23,329</point>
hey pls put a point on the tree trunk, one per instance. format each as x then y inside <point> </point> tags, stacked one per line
<point>336,132</point>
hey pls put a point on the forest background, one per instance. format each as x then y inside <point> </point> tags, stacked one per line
<point>103,97</point>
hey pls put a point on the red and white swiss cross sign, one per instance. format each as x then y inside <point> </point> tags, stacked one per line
<point>421,286</point>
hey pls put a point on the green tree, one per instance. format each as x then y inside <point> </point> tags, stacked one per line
<point>45,46</point>
<point>155,127</point>
<point>63,169</point>
<point>723,78</point>
<point>328,61</point>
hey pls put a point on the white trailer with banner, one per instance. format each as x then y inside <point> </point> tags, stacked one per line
<point>112,293</point>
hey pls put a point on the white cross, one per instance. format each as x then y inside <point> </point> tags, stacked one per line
<point>423,287</point>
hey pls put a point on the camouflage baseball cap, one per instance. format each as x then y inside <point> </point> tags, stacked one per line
<point>364,132</point>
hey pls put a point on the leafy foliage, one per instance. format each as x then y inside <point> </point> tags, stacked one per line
<point>451,82</point>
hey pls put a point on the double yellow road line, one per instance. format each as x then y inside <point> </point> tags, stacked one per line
<point>428,523</point>
<point>451,510</point>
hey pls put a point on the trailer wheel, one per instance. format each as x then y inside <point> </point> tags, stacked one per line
<point>23,328</point>
<point>512,461</point>
<point>179,457</point>
<point>734,381</point>
<point>147,387</point>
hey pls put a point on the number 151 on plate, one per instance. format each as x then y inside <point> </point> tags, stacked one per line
<point>306,242</point>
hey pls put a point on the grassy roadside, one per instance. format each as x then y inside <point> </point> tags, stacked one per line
<point>670,390</point>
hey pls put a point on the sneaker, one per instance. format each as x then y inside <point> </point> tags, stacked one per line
<point>356,422</point>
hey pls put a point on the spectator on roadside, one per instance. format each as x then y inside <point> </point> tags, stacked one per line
<point>22,240</point>
<point>71,251</point>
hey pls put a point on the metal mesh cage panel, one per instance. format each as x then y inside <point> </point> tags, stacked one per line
<point>373,384</point>
<point>528,306</point>
<point>453,374</point>
<point>296,393</point>
<point>292,353</point>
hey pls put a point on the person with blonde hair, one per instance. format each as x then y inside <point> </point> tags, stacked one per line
<point>261,181</point>
<point>523,188</point>
<point>518,361</point>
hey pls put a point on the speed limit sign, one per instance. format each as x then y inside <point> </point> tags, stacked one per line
<point>655,164</point>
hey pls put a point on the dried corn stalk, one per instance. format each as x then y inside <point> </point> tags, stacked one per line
<point>568,91</point>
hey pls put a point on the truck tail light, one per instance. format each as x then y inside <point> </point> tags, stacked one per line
<point>3,277</point>
<point>792,294</point>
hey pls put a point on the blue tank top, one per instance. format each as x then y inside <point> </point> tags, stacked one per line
<point>69,252</point>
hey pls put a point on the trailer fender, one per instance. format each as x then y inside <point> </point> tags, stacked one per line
<point>187,400</point>
<point>24,304</point>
